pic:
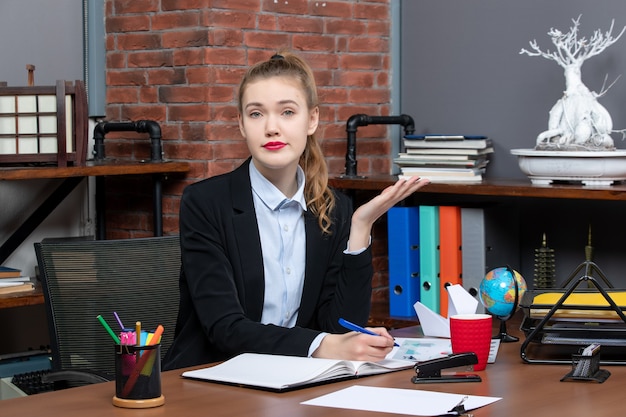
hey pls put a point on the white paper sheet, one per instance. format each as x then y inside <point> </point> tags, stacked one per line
<point>459,302</point>
<point>425,348</point>
<point>398,401</point>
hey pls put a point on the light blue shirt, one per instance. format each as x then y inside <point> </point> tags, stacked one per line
<point>283,245</point>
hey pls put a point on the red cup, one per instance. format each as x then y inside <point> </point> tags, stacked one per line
<point>472,333</point>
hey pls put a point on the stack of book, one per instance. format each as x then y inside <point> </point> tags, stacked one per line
<point>444,158</point>
<point>12,281</point>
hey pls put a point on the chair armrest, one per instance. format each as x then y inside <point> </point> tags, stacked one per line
<point>82,376</point>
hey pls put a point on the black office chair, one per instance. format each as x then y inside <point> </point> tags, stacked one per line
<point>81,279</point>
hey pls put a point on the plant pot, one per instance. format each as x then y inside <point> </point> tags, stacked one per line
<point>587,167</point>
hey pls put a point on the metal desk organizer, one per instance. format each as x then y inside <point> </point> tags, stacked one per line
<point>585,366</point>
<point>44,124</point>
<point>558,322</point>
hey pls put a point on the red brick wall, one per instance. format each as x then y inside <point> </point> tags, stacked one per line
<point>179,62</point>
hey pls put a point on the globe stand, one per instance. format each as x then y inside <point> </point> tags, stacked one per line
<point>503,335</point>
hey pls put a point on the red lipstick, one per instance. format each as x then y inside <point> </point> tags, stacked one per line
<point>274,146</point>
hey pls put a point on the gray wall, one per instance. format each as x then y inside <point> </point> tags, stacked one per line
<point>461,71</point>
<point>47,34</point>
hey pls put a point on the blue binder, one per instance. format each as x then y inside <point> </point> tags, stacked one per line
<point>429,256</point>
<point>404,260</point>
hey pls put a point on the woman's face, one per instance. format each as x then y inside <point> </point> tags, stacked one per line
<point>275,122</point>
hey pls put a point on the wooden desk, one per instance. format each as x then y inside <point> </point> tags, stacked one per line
<point>72,176</point>
<point>526,390</point>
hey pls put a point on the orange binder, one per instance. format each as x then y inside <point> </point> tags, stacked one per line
<point>450,262</point>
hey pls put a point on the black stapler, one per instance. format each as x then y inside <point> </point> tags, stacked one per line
<point>428,372</point>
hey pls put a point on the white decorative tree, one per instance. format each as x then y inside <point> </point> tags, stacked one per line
<point>577,121</point>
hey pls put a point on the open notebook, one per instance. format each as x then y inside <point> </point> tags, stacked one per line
<point>281,373</point>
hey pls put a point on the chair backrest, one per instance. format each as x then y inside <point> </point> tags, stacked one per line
<point>81,279</point>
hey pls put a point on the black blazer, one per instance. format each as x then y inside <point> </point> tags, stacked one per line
<point>222,282</point>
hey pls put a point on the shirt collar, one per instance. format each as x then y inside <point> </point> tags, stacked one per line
<point>271,196</point>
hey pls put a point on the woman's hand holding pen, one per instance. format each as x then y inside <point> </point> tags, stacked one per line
<point>365,216</point>
<point>356,346</point>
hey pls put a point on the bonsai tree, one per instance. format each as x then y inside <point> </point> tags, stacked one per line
<point>577,121</point>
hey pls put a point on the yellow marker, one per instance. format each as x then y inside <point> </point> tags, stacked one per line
<point>138,333</point>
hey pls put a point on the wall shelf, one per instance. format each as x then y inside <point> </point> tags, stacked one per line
<point>29,298</point>
<point>492,188</point>
<point>500,194</point>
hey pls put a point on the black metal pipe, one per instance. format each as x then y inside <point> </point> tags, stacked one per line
<point>156,154</point>
<point>157,204</point>
<point>101,208</point>
<point>142,126</point>
<point>357,120</point>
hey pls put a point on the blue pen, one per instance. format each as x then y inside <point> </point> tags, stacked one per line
<point>356,328</point>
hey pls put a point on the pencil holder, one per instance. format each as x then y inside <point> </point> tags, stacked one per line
<point>586,368</point>
<point>138,376</point>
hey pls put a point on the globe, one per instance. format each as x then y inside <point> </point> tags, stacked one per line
<point>497,291</point>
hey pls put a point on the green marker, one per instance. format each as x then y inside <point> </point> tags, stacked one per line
<point>108,329</point>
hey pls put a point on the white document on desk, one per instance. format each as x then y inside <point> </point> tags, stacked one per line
<point>400,401</point>
<point>421,349</point>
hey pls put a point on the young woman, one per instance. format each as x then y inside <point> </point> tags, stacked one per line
<point>271,257</point>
